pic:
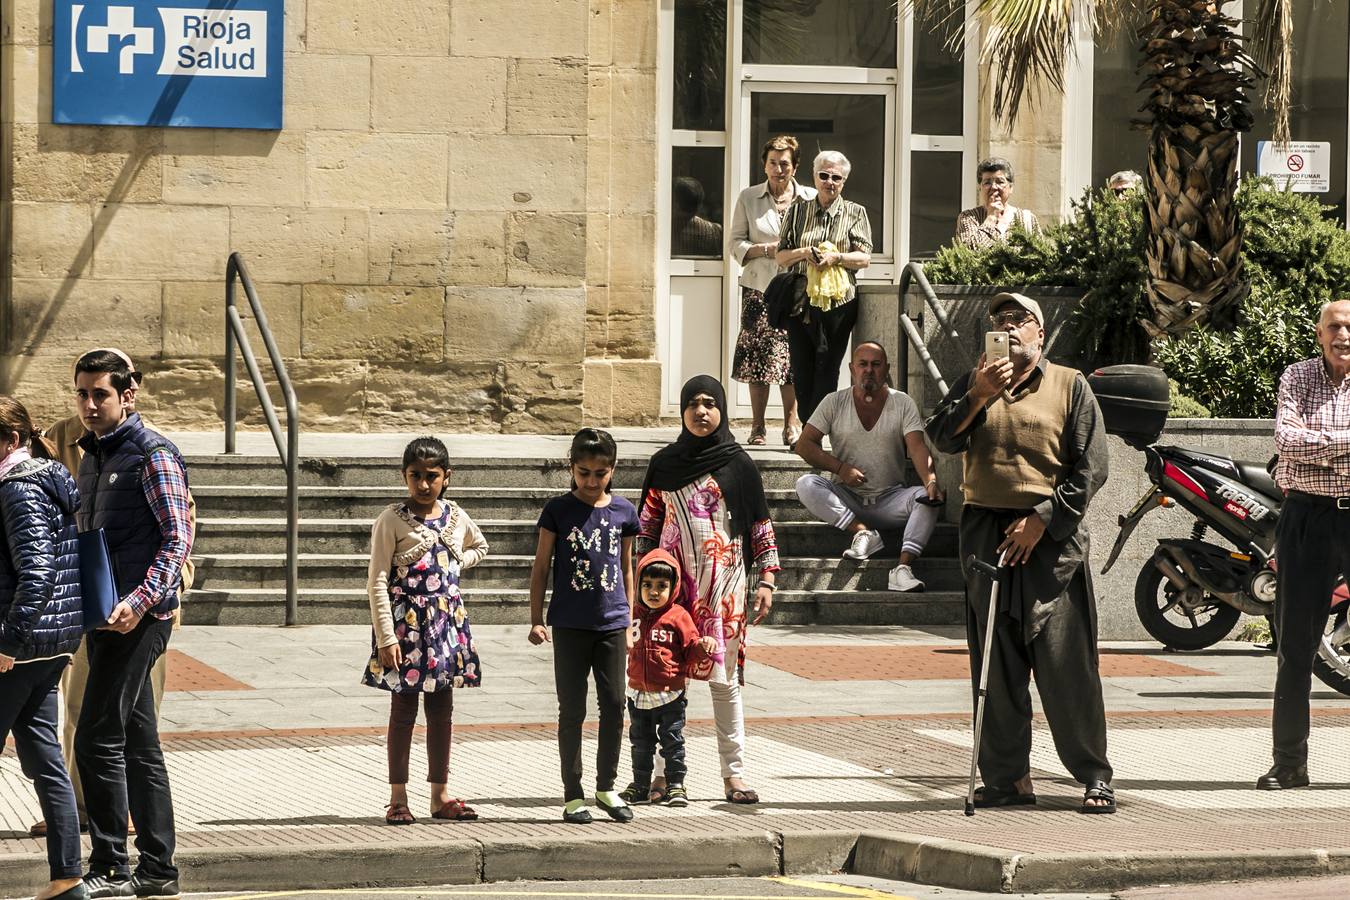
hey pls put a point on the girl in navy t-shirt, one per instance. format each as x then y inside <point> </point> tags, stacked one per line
<point>586,537</point>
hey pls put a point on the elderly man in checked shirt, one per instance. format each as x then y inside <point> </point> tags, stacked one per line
<point>133,485</point>
<point>1312,436</point>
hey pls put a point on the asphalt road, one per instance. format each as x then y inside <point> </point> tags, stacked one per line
<point>817,887</point>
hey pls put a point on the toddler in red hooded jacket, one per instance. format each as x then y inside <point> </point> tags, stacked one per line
<point>666,646</point>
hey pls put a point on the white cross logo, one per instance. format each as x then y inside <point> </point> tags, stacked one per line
<point>121,25</point>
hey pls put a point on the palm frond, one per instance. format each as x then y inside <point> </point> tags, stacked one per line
<point>1025,42</point>
<point>1272,47</point>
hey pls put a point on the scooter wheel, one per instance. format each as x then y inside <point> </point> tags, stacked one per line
<point>1172,625</point>
<point>1332,663</point>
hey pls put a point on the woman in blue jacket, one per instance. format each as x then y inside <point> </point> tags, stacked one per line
<point>41,621</point>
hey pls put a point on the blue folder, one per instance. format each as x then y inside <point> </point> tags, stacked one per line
<point>96,579</point>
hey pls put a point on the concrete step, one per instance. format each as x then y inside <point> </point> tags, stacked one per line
<point>778,469</point>
<point>508,536</point>
<point>348,570</point>
<point>348,606</point>
<point>365,503</point>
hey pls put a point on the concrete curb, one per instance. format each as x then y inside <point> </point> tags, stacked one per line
<point>899,856</point>
<point>953,864</point>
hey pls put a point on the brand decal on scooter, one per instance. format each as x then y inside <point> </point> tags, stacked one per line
<point>1248,504</point>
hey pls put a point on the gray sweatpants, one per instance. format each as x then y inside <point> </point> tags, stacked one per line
<point>896,507</point>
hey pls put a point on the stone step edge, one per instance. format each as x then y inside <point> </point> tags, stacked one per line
<point>512,596</point>
<point>259,522</point>
<point>232,560</point>
<point>941,862</point>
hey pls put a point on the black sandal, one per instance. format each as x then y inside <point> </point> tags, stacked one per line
<point>742,796</point>
<point>1098,790</point>
<point>636,795</point>
<point>994,797</point>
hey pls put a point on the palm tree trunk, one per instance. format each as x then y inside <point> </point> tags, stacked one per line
<point>1197,75</point>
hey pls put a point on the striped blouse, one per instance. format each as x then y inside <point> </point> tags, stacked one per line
<point>843,223</point>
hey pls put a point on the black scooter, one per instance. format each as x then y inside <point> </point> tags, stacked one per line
<point>1191,592</point>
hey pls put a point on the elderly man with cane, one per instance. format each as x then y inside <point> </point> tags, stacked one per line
<point>1312,436</point>
<point>1035,453</point>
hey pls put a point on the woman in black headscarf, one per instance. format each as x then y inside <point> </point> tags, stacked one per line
<point>703,502</point>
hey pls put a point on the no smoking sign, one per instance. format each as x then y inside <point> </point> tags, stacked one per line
<point>1301,166</point>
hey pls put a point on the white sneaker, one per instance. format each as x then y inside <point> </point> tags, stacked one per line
<point>865,543</point>
<point>902,578</point>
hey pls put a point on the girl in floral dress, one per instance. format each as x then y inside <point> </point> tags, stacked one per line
<point>421,642</point>
<point>703,502</point>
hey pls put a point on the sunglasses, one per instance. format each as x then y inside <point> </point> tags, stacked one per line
<point>1017,317</point>
<point>830,176</point>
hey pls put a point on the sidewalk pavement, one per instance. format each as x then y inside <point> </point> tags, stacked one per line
<point>859,745</point>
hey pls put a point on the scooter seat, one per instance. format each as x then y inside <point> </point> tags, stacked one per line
<point>1255,476</point>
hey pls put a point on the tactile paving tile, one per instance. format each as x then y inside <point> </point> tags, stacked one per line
<point>186,673</point>
<point>929,662</point>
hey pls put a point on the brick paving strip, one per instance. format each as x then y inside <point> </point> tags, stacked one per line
<point>878,795</point>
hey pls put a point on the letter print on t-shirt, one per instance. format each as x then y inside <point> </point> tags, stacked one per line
<point>603,539</point>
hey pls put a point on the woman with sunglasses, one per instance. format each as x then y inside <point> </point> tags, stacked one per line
<point>822,232</point>
<point>989,223</point>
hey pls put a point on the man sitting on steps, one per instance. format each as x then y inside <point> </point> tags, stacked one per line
<point>870,426</point>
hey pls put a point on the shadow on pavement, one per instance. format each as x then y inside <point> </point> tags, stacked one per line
<point>1237,695</point>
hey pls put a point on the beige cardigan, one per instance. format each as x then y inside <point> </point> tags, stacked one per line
<point>396,541</point>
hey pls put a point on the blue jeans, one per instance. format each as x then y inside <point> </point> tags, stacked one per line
<point>28,707</point>
<point>117,749</point>
<point>664,724</point>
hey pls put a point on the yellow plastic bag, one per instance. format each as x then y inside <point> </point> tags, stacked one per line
<point>826,286</point>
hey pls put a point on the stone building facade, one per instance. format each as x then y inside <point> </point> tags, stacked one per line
<point>464,222</point>
<point>453,230</point>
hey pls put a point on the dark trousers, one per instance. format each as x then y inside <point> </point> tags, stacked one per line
<point>28,705</point>
<point>1314,542</point>
<point>648,726</point>
<point>1063,657</point>
<point>578,655</point>
<point>815,371</point>
<point>440,706</point>
<point>118,753</point>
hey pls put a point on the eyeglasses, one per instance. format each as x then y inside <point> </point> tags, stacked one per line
<point>994,182</point>
<point>1018,317</point>
<point>830,176</point>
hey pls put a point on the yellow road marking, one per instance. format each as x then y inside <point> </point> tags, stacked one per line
<point>847,889</point>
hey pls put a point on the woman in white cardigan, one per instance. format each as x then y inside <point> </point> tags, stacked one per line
<point>761,357</point>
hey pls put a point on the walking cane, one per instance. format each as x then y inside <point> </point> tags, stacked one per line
<point>992,572</point>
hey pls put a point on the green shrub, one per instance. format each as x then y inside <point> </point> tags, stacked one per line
<point>1297,259</point>
<point>1183,407</point>
<point>1295,256</point>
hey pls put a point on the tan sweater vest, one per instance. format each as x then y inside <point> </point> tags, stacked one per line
<point>1017,457</point>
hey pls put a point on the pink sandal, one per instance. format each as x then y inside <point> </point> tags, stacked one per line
<point>456,810</point>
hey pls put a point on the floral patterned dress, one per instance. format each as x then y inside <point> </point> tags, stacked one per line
<point>693,524</point>
<point>429,618</point>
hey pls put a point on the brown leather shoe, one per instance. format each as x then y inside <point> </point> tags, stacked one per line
<point>39,828</point>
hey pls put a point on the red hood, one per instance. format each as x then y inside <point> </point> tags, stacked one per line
<point>658,555</point>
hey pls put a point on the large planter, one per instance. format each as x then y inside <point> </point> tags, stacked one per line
<point>967,310</point>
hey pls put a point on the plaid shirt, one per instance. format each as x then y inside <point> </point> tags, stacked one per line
<point>165,486</point>
<point>1312,431</point>
<point>653,699</point>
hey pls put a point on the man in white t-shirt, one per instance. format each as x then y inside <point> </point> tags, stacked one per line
<point>872,427</point>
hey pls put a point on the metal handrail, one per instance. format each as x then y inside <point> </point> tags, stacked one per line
<point>237,271</point>
<point>913,271</point>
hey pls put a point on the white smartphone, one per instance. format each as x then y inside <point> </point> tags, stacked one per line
<point>995,346</point>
